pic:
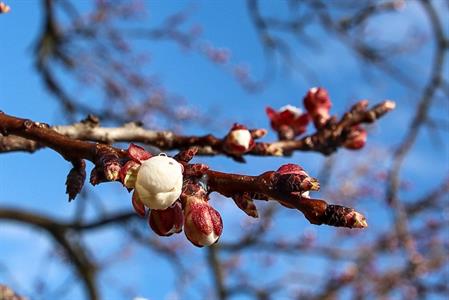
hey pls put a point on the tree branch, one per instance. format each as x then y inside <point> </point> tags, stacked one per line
<point>326,140</point>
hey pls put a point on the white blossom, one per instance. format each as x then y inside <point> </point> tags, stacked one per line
<point>159,182</point>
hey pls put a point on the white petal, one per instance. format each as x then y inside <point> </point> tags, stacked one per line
<point>207,240</point>
<point>159,182</point>
<point>241,137</point>
<point>295,110</point>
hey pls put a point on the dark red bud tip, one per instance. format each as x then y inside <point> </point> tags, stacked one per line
<point>246,203</point>
<point>167,221</point>
<point>271,113</point>
<point>75,179</point>
<point>315,98</point>
<point>290,169</point>
<point>138,206</point>
<point>356,138</point>
<point>288,122</point>
<point>318,105</point>
<point>186,155</point>
<point>137,153</point>
<point>237,126</point>
<point>340,216</point>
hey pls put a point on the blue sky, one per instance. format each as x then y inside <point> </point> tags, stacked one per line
<point>36,182</point>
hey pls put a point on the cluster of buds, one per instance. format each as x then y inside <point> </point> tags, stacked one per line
<point>289,121</point>
<point>157,182</point>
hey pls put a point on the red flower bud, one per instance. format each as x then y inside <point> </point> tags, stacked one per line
<point>238,140</point>
<point>340,216</point>
<point>356,138</point>
<point>167,221</point>
<point>291,169</point>
<point>318,104</point>
<point>138,154</point>
<point>138,206</point>
<point>289,121</point>
<point>294,180</point>
<point>202,224</point>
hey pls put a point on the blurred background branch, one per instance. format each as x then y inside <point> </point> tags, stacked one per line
<point>95,59</point>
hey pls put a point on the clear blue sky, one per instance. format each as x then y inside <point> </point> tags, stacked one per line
<point>36,182</point>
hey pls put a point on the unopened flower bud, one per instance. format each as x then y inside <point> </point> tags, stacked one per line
<point>289,121</point>
<point>238,140</point>
<point>159,182</point>
<point>318,104</point>
<point>340,216</point>
<point>294,179</point>
<point>167,221</point>
<point>138,206</point>
<point>356,138</point>
<point>202,223</point>
<point>291,169</point>
<point>137,153</point>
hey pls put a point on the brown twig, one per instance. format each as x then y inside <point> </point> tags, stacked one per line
<point>326,140</point>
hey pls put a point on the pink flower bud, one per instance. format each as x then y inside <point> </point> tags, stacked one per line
<point>138,206</point>
<point>238,140</point>
<point>291,169</point>
<point>340,216</point>
<point>318,104</point>
<point>138,154</point>
<point>292,179</point>
<point>356,138</point>
<point>168,221</point>
<point>289,121</point>
<point>202,224</point>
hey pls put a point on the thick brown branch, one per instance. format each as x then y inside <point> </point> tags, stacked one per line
<point>272,186</point>
<point>105,157</point>
<point>326,140</point>
<point>288,189</point>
